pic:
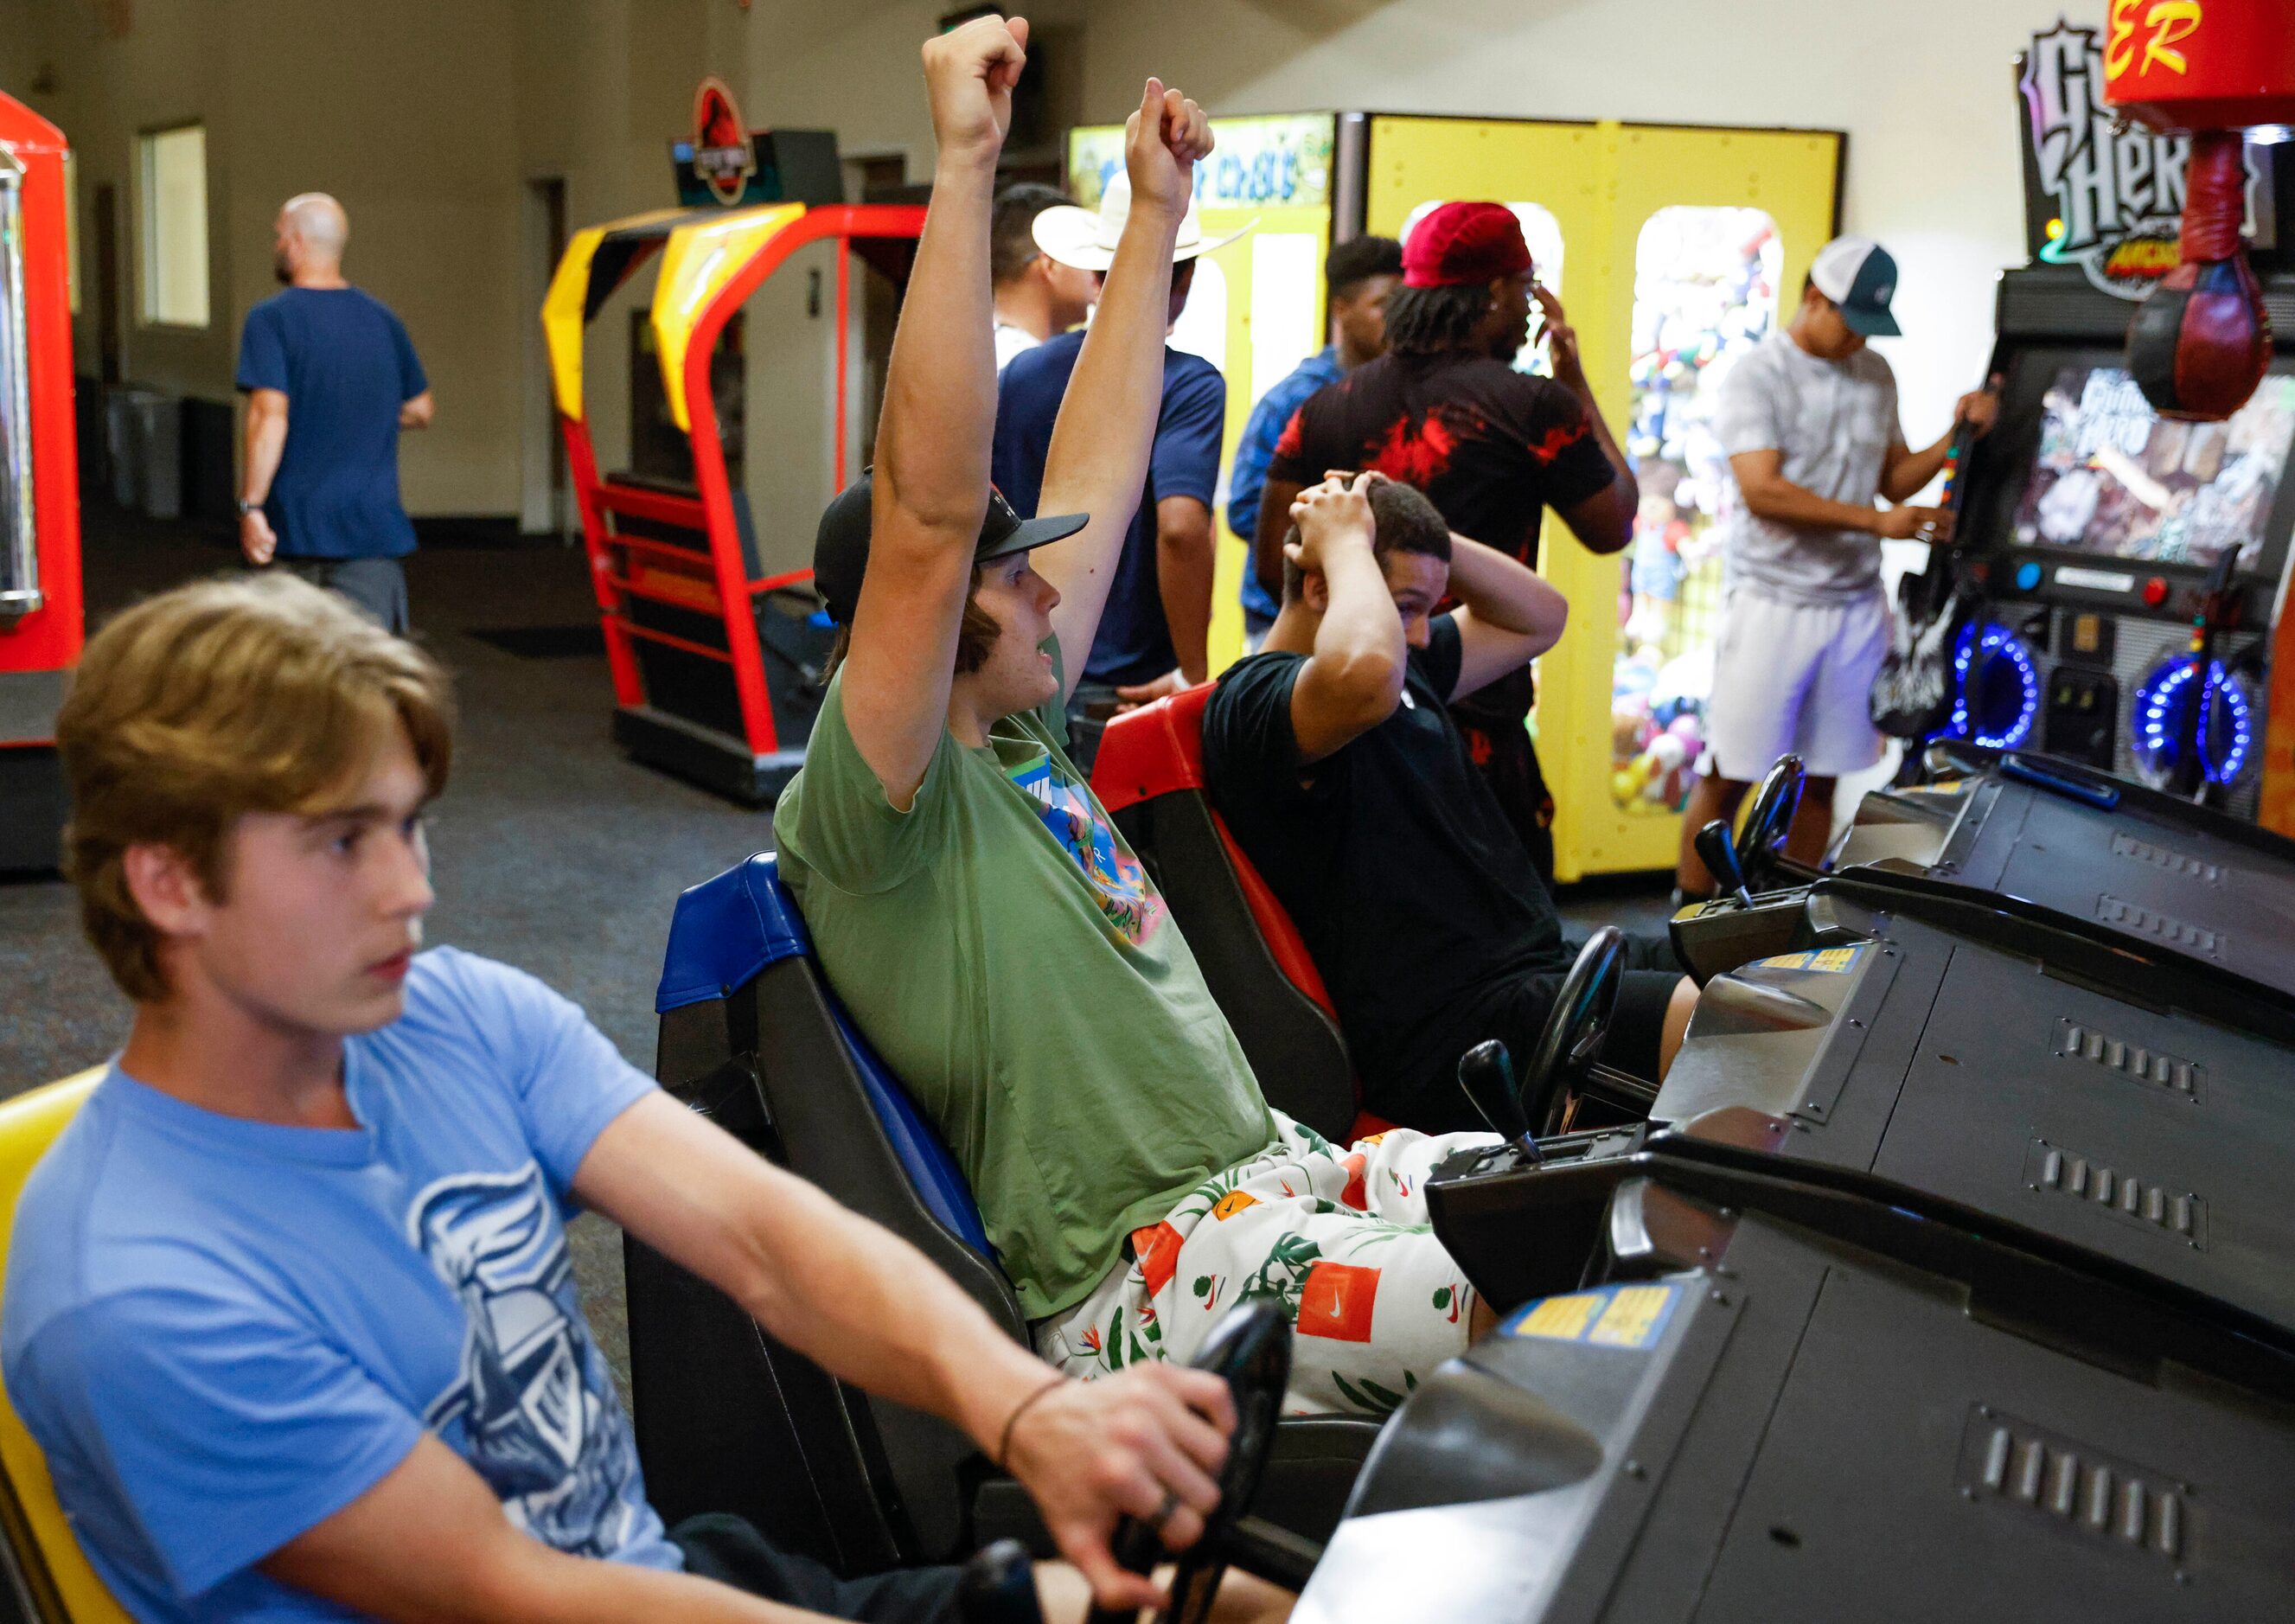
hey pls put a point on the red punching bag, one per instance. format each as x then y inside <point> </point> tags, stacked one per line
<point>2198,345</point>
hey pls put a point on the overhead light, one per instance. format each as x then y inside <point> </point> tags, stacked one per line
<point>2270,134</point>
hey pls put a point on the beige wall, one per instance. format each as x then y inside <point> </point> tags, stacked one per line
<point>430,118</point>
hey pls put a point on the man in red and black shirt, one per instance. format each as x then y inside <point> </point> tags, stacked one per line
<point>1445,410</point>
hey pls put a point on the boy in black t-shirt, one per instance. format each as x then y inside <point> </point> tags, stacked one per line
<point>1445,410</point>
<point>1333,756</point>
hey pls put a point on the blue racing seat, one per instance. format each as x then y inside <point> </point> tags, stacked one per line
<point>726,931</point>
<point>730,1419</point>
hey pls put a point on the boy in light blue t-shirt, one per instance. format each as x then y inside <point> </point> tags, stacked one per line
<point>290,1309</point>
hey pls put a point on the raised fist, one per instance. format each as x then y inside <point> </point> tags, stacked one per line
<point>1163,143</point>
<point>969,73</point>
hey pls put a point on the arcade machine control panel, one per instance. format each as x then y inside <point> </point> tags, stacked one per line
<point>2138,863</point>
<point>1766,1402</point>
<point>2090,526</point>
<point>1944,1283</point>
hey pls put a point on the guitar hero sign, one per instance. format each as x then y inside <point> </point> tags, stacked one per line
<point>2102,195</point>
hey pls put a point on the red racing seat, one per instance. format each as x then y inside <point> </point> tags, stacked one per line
<point>1150,776</point>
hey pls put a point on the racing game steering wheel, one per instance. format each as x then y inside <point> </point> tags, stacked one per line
<point>1250,1347</point>
<point>1575,1027</point>
<point>1775,805</point>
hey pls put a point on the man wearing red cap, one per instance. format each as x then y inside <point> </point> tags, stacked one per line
<point>1446,410</point>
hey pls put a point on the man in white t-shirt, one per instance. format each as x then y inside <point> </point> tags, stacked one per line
<point>1808,419</point>
<point>1037,298</point>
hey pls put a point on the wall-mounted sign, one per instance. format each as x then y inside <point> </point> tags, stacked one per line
<point>724,158</point>
<point>1278,158</point>
<point>2101,193</point>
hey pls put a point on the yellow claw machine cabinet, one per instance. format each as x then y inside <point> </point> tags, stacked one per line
<point>1673,250</point>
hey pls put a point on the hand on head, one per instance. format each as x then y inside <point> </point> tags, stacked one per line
<point>1333,514</point>
<point>1163,143</point>
<point>969,73</point>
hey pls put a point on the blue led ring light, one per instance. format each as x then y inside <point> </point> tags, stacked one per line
<point>2157,710</point>
<point>1977,648</point>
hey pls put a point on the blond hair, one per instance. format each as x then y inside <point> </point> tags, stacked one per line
<point>226,696</point>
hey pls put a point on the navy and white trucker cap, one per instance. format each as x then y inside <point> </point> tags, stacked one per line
<point>1857,274</point>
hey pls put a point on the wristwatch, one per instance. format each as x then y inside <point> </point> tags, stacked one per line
<point>246,507</point>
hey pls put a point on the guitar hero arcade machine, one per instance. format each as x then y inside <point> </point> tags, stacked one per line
<point>40,623</point>
<point>2105,517</point>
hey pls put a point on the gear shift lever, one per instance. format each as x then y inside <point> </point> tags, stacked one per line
<point>1486,1072</point>
<point>999,1587</point>
<point>1717,849</point>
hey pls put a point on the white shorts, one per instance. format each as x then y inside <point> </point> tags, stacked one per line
<point>1796,677</point>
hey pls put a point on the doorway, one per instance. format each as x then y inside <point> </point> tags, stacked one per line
<point>545,503</point>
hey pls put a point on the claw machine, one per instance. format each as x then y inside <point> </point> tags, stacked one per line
<point>1674,249</point>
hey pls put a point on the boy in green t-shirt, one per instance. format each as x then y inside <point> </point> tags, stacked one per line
<point>974,904</point>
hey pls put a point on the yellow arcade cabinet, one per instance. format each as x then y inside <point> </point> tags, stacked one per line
<point>1256,309</point>
<point>1673,250</point>
<point>715,656</point>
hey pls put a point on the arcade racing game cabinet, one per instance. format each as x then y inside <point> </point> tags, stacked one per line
<point>2113,739</point>
<point>40,623</point>
<point>716,661</point>
<point>2091,525</point>
<point>1945,1282</point>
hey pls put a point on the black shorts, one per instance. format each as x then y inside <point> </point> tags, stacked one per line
<point>1515,1013</point>
<point>727,1549</point>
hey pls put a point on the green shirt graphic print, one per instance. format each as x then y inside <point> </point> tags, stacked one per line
<point>1012,962</point>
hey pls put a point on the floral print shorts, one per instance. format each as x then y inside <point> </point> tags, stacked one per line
<point>1339,1238</point>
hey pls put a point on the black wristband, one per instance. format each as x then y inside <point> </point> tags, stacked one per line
<point>1004,1443</point>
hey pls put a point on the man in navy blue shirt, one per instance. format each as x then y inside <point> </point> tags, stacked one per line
<point>1152,635</point>
<point>1359,275</point>
<point>331,378</point>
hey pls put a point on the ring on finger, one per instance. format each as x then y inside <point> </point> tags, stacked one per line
<point>1163,1510</point>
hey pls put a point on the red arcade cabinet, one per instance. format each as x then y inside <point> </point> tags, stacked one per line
<point>40,623</point>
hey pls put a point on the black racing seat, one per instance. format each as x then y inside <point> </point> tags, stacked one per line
<point>730,1419</point>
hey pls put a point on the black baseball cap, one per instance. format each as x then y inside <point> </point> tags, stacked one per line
<point>840,548</point>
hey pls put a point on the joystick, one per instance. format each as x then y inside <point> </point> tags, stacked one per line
<point>1717,849</point>
<point>1486,1072</point>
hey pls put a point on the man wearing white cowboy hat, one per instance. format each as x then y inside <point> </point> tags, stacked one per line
<point>1151,638</point>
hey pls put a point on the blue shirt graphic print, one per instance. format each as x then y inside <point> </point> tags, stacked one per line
<point>222,1332</point>
<point>527,1410</point>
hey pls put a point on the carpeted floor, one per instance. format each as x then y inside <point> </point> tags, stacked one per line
<point>550,850</point>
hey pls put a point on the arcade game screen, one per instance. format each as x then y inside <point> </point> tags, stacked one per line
<point>2112,478</point>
